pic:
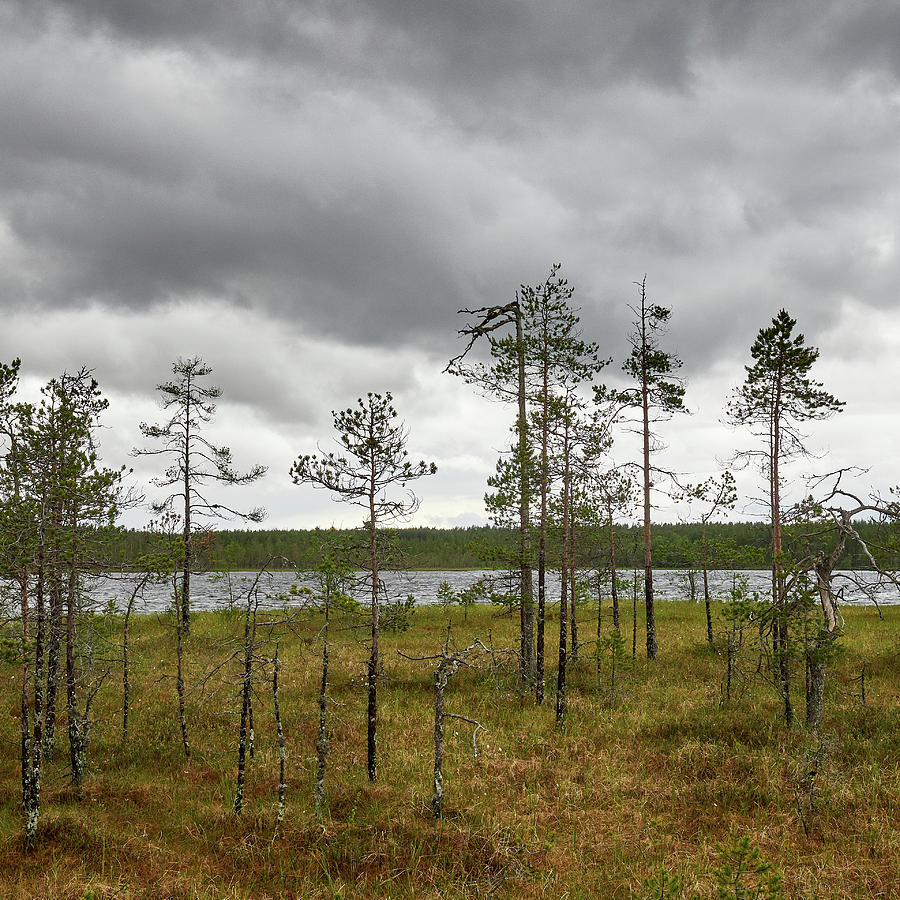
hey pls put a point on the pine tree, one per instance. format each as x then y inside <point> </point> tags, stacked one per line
<point>193,462</point>
<point>373,466</point>
<point>777,395</point>
<point>658,394</point>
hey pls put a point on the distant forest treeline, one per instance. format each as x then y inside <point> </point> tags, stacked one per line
<point>677,546</point>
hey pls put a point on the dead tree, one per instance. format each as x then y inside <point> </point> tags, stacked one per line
<point>449,662</point>
<point>717,494</point>
<point>282,754</point>
<point>835,512</point>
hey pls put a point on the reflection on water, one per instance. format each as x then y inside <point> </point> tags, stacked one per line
<point>210,591</point>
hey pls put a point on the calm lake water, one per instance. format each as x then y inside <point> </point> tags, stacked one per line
<point>211,591</point>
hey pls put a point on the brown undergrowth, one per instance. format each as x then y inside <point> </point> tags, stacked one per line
<point>660,773</point>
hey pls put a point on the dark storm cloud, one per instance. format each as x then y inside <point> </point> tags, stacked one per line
<point>361,170</point>
<point>526,44</point>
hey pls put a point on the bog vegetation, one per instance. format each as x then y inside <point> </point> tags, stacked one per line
<point>587,743</point>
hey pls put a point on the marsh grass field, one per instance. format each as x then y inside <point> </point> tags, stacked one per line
<point>659,772</point>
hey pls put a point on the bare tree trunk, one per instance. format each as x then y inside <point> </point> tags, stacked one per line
<point>730,651</point>
<point>186,531</point>
<point>564,574</point>
<point>54,644</point>
<point>614,590</point>
<point>443,673</point>
<point>573,629</point>
<point>77,724</point>
<point>437,794</point>
<point>126,685</point>
<point>179,674</point>
<point>30,742</point>
<point>542,536</point>
<point>634,617</point>
<point>126,688</point>
<point>599,626</point>
<point>527,660</point>
<point>279,816</point>
<point>780,630</point>
<point>246,688</point>
<point>648,560</point>
<point>322,740</point>
<point>825,637</point>
<point>709,628</point>
<point>372,720</point>
<point>251,733</point>
<point>561,670</point>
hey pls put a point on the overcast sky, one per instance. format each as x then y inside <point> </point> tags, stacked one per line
<point>304,193</point>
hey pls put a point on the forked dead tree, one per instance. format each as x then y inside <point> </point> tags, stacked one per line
<point>835,511</point>
<point>449,661</point>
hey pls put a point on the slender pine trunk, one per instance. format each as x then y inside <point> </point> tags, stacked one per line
<point>276,706</point>
<point>634,594</point>
<point>322,739</point>
<point>613,579</point>
<point>526,589</point>
<point>437,794</point>
<point>179,675</point>
<point>245,732</point>
<point>648,558</point>
<point>185,614</point>
<point>78,724</point>
<point>564,575</point>
<point>54,646</point>
<point>542,538</point>
<point>573,621</point>
<point>372,711</point>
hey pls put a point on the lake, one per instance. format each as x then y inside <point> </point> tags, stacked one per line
<point>214,591</point>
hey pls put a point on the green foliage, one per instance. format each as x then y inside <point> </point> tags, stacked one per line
<point>190,456</point>
<point>744,875</point>
<point>650,367</point>
<point>376,459</point>
<point>397,616</point>
<point>613,648</point>
<point>731,545</point>
<point>662,886</point>
<point>10,645</point>
<point>741,606</point>
<point>477,592</point>
<point>778,385</point>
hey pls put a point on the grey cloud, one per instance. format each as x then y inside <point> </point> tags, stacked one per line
<point>361,170</point>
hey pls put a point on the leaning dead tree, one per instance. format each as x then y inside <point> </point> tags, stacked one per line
<point>449,661</point>
<point>835,512</point>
